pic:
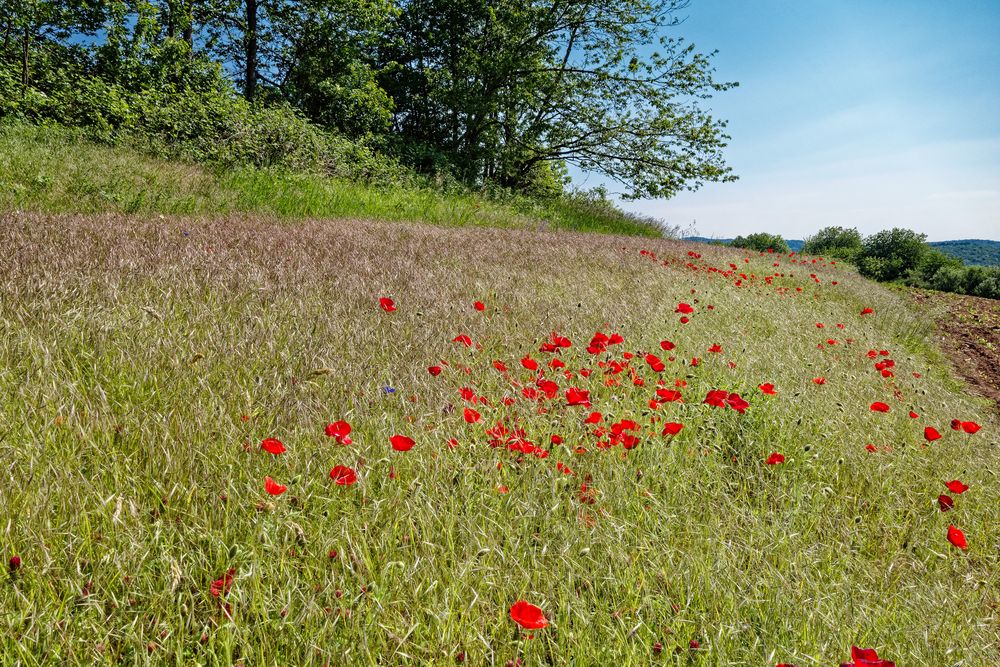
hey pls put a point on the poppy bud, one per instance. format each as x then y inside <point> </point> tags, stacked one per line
<point>15,563</point>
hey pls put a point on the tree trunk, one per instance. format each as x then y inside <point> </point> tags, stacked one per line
<point>25,60</point>
<point>250,46</point>
<point>189,25</point>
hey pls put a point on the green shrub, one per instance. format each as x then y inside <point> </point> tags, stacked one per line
<point>761,242</point>
<point>892,254</point>
<point>837,242</point>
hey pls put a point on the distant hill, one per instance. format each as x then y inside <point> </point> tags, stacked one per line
<point>971,251</point>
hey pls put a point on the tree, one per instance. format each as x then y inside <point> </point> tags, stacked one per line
<point>838,242</point>
<point>329,68</point>
<point>246,36</point>
<point>761,242</point>
<point>502,88</point>
<point>46,25</point>
<point>891,254</point>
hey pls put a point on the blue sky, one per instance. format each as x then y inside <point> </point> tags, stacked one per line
<point>863,114</point>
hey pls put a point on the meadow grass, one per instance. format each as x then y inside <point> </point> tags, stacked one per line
<point>143,360</point>
<point>56,170</point>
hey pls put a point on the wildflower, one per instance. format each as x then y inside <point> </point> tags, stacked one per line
<point>528,616</point>
<point>272,446</point>
<point>273,487</point>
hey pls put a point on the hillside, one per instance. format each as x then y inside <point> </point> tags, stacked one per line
<point>57,170</point>
<point>971,251</point>
<point>680,454</point>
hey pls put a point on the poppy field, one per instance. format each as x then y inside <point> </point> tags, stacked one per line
<point>236,441</point>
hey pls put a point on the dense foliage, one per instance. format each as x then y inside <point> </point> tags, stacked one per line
<point>506,93</point>
<point>761,242</point>
<point>904,255</point>
<point>838,242</point>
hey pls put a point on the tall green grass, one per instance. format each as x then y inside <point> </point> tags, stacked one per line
<point>56,170</point>
<point>142,362</point>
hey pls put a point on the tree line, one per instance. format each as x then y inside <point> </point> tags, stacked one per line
<point>891,255</point>
<point>507,93</point>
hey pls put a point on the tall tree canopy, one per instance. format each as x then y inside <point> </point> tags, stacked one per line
<point>510,92</point>
<point>504,88</point>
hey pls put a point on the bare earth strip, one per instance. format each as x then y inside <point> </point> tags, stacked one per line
<point>970,336</point>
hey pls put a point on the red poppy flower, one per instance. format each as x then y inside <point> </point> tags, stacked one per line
<point>819,380</point>
<point>913,415</point>
<point>879,406</point>
<point>669,395</point>
<point>479,305</point>
<point>956,425</point>
<point>434,370</point>
<point>339,430</point>
<point>871,448</point>
<point>775,458</point>
<point>820,325</point>
<point>528,616</point>
<point>768,389</point>
<point>867,311</point>
<point>957,537</point>
<point>955,486</point>
<point>716,348</point>
<point>221,586</point>
<point>272,446</point>
<point>970,427</point>
<point>502,489</point>
<point>529,363</point>
<point>945,502</point>
<point>500,366</point>
<point>387,304</point>
<point>463,339</point>
<point>14,564</point>
<point>273,487</point>
<point>343,476</point>
<point>931,434</point>
<point>737,403</point>
<point>561,341</point>
<point>684,308</point>
<point>666,345</point>
<point>867,657</point>
<point>655,363</point>
<point>576,396</point>
<point>593,418</point>
<point>672,428</point>
<point>401,443</point>
<point>471,416</point>
<point>685,320</point>
<point>716,398</point>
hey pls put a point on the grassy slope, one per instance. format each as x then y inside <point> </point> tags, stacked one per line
<point>48,169</point>
<point>130,348</point>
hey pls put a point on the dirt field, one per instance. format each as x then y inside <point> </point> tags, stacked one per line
<point>970,327</point>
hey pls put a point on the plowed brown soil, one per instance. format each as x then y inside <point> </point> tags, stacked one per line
<point>970,327</point>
